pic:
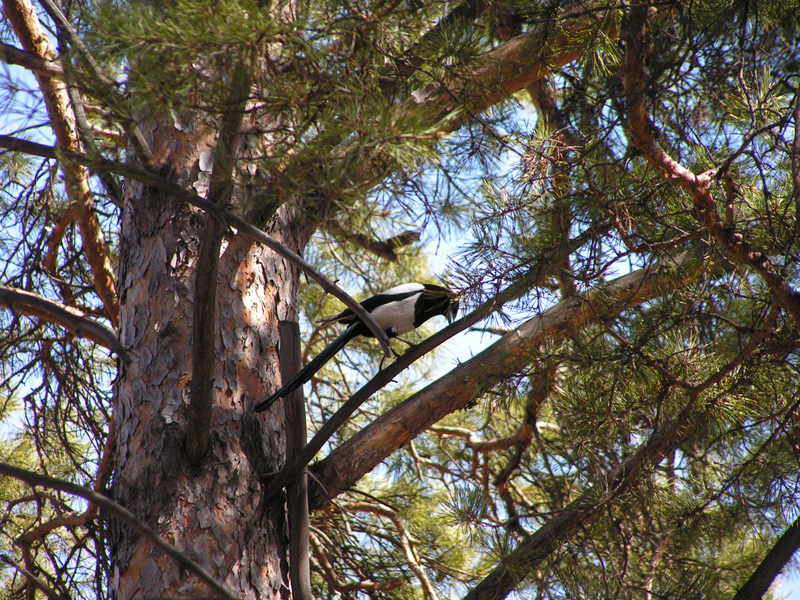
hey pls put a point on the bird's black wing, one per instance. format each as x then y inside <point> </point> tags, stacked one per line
<point>370,304</point>
<point>312,367</point>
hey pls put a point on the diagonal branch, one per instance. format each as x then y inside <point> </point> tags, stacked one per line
<point>72,319</point>
<point>511,354</point>
<point>443,106</point>
<point>774,562</point>
<point>36,581</point>
<point>233,222</point>
<point>507,69</point>
<point>120,512</point>
<point>581,512</point>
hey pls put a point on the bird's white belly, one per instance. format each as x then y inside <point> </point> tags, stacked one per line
<point>398,314</point>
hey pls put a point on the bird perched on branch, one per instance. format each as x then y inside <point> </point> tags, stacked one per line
<point>397,310</point>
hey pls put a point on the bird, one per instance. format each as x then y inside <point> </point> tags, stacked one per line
<point>397,311</point>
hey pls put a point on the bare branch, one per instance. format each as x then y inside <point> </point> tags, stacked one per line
<point>297,491</point>
<point>120,512</point>
<point>15,56</point>
<point>774,562</point>
<point>232,221</point>
<point>65,316</point>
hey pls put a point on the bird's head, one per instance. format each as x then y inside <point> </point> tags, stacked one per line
<point>440,301</point>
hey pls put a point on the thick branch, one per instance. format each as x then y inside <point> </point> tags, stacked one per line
<point>732,243</point>
<point>511,354</point>
<point>442,107</point>
<point>507,69</point>
<point>59,314</point>
<point>120,512</point>
<point>230,220</point>
<point>15,56</point>
<point>772,565</point>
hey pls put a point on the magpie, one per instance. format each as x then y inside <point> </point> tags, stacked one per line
<point>397,311</point>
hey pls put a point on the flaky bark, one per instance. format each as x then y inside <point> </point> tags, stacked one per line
<point>213,512</point>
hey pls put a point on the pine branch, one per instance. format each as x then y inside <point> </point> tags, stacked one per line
<point>32,578</point>
<point>507,69</point>
<point>580,513</point>
<point>731,242</point>
<point>105,83</point>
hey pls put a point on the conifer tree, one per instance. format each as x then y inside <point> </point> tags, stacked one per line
<point>188,186</point>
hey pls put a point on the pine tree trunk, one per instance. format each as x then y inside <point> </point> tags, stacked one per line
<point>213,512</point>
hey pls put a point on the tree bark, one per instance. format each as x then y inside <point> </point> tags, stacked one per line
<point>213,512</point>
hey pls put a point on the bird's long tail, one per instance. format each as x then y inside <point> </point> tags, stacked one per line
<point>311,368</point>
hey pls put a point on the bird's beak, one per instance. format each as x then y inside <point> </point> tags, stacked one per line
<point>452,311</point>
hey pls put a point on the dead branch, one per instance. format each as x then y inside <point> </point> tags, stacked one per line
<point>59,314</point>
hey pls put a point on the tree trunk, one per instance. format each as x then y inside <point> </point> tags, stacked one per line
<point>213,512</point>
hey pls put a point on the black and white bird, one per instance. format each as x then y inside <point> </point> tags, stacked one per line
<point>397,310</point>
